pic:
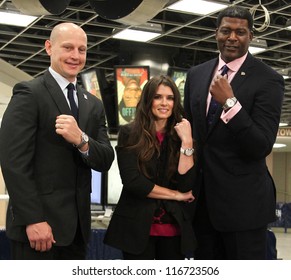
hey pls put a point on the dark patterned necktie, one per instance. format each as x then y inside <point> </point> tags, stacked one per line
<point>213,103</point>
<point>73,104</point>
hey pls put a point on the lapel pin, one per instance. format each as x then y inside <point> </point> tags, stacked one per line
<point>243,73</point>
<point>85,96</point>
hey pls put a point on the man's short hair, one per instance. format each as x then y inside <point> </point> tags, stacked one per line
<point>236,12</point>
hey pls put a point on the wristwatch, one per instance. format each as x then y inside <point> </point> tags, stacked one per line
<point>230,102</point>
<point>84,140</point>
<point>187,152</point>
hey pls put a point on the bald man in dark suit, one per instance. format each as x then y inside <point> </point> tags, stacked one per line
<point>47,154</point>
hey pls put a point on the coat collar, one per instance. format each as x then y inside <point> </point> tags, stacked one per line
<point>59,99</point>
<point>242,74</point>
<point>56,93</point>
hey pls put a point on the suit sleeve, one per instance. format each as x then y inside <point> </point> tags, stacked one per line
<point>255,126</point>
<point>186,181</point>
<point>17,149</point>
<point>133,180</point>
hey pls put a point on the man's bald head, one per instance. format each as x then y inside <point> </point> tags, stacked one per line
<point>65,27</point>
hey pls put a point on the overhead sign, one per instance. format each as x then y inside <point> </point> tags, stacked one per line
<point>284,131</point>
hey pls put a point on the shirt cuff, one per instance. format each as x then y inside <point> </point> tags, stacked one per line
<point>227,116</point>
<point>84,154</point>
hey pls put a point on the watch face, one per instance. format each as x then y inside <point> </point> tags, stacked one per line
<point>230,102</point>
<point>85,138</point>
<point>189,152</point>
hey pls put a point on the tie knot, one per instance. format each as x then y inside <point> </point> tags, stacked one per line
<point>70,86</point>
<point>224,70</point>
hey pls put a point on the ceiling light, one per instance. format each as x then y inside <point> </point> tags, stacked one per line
<point>255,50</point>
<point>149,26</point>
<point>288,24</point>
<point>279,145</point>
<point>283,124</point>
<point>136,35</point>
<point>15,19</point>
<point>199,7</point>
<point>258,46</point>
<point>285,73</point>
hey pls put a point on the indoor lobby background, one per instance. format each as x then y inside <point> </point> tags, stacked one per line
<point>279,164</point>
<point>159,56</point>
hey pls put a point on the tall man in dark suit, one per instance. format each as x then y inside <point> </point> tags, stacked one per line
<point>47,154</point>
<point>237,194</point>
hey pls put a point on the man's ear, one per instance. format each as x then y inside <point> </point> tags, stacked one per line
<point>48,45</point>
<point>216,30</point>
<point>251,35</point>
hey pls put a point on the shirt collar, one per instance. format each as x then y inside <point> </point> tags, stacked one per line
<point>62,82</point>
<point>233,65</point>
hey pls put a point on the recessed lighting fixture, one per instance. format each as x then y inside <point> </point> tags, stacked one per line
<point>255,50</point>
<point>279,145</point>
<point>199,7</point>
<point>258,46</point>
<point>283,124</point>
<point>288,24</point>
<point>284,73</point>
<point>136,35</point>
<point>16,19</point>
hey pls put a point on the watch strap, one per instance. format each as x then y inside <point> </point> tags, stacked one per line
<point>226,107</point>
<point>83,141</point>
<point>187,152</point>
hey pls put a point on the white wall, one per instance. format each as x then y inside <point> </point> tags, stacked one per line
<point>9,76</point>
<point>3,203</point>
<point>5,95</point>
<point>282,176</point>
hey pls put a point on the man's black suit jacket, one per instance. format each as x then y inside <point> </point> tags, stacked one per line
<point>46,177</point>
<point>231,165</point>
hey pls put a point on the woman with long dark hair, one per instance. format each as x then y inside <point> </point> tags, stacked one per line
<point>156,161</point>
